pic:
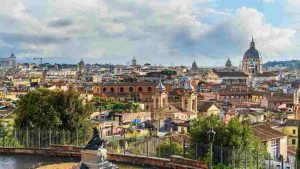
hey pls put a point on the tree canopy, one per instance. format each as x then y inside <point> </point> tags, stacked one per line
<point>56,109</point>
<point>168,148</point>
<point>168,72</point>
<point>234,136</point>
<point>114,106</point>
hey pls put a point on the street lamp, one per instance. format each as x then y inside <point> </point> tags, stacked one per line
<point>211,135</point>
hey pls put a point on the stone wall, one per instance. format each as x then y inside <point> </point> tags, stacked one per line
<point>175,161</point>
<point>71,151</point>
<point>62,151</point>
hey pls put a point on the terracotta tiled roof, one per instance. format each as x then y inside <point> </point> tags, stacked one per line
<point>280,97</point>
<point>266,74</point>
<point>230,74</point>
<point>177,105</point>
<point>265,132</point>
<point>203,106</point>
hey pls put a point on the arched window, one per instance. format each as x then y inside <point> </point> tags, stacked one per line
<point>185,104</point>
<point>121,89</point>
<point>112,89</point>
<point>147,107</point>
<point>130,89</point>
<point>149,89</point>
<point>104,89</point>
<point>193,105</point>
<point>140,89</point>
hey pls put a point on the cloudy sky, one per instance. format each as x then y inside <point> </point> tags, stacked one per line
<point>154,31</point>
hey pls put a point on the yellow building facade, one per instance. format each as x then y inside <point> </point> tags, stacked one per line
<point>291,130</point>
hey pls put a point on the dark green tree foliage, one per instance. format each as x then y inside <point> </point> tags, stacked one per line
<point>168,148</point>
<point>57,109</point>
<point>234,135</point>
<point>114,106</point>
<point>168,72</point>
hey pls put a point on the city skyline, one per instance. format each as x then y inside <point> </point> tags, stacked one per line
<point>161,32</point>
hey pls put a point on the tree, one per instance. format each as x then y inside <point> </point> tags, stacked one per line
<point>114,106</point>
<point>6,132</point>
<point>169,73</point>
<point>234,135</point>
<point>168,148</point>
<point>57,109</point>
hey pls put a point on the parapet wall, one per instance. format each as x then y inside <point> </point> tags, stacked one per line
<point>62,151</point>
<point>71,151</point>
<point>175,161</point>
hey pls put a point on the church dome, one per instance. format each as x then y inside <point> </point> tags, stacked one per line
<point>228,63</point>
<point>81,62</point>
<point>12,55</point>
<point>160,87</point>
<point>189,87</point>
<point>252,53</point>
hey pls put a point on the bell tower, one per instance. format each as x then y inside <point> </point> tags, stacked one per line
<point>189,98</point>
<point>160,97</point>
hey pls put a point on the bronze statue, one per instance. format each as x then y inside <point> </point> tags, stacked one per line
<point>96,142</point>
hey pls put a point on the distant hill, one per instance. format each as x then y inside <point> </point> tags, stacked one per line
<point>292,64</point>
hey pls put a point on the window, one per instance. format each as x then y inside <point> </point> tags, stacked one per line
<point>149,89</point>
<point>140,89</point>
<point>131,89</point>
<point>193,105</point>
<point>293,141</point>
<point>112,89</point>
<point>121,89</point>
<point>185,104</point>
<point>104,89</point>
<point>275,148</point>
<point>294,131</point>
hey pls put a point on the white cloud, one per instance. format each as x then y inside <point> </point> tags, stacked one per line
<point>152,31</point>
<point>268,1</point>
<point>213,11</point>
<point>270,40</point>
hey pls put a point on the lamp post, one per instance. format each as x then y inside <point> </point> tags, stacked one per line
<point>211,135</point>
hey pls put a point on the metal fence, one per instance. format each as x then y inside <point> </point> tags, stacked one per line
<point>222,156</point>
<point>38,138</point>
<point>142,146</point>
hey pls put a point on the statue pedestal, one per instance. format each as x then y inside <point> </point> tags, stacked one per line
<point>91,159</point>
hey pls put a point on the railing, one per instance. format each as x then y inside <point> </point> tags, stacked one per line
<point>38,138</point>
<point>152,147</point>
<point>139,146</point>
